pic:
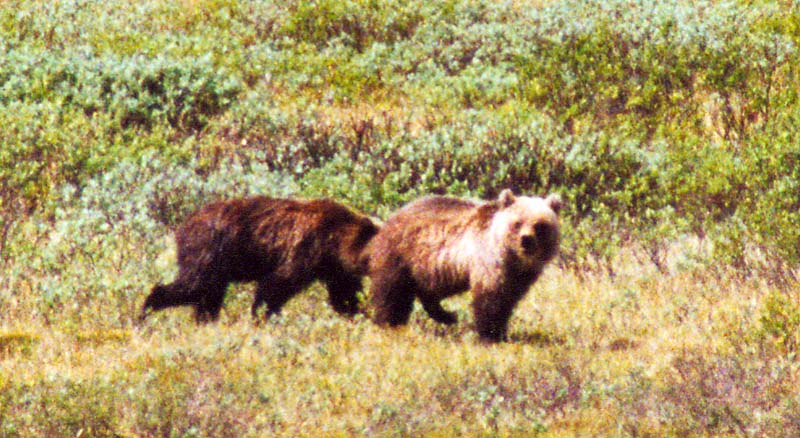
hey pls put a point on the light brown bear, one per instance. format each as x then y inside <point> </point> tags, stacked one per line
<point>282,244</point>
<point>438,246</point>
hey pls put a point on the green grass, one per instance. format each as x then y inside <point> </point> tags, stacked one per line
<point>669,129</point>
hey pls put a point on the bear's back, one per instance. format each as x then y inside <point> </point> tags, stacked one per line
<point>452,214</point>
<point>273,233</point>
<point>436,205</point>
<point>436,235</point>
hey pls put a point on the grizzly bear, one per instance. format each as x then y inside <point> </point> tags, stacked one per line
<point>282,244</point>
<point>438,246</point>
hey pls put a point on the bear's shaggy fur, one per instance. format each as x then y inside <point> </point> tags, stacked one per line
<point>437,247</point>
<point>282,244</point>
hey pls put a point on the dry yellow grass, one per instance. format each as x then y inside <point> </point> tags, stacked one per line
<point>581,347</point>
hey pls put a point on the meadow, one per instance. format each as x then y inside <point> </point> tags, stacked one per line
<point>669,128</point>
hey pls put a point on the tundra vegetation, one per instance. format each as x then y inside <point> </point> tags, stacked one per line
<point>668,127</point>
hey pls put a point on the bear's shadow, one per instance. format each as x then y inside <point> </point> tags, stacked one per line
<point>464,327</point>
<point>537,338</point>
<point>461,330</point>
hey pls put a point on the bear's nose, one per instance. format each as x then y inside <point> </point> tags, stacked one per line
<point>528,243</point>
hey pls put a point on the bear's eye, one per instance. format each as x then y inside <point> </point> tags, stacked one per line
<point>543,231</point>
<point>516,225</point>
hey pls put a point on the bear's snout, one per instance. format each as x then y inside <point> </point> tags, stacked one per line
<point>528,243</point>
<point>544,238</point>
<point>547,239</point>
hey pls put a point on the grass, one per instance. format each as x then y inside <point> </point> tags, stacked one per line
<point>587,356</point>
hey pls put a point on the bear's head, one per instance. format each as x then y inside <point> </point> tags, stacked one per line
<point>354,240</point>
<point>528,227</point>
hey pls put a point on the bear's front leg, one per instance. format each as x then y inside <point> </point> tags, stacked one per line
<point>343,291</point>
<point>212,296</point>
<point>492,309</point>
<point>392,292</point>
<point>274,292</point>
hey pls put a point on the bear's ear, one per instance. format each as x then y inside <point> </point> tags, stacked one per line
<point>554,202</point>
<point>506,198</point>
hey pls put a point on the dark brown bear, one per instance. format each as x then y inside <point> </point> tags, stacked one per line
<point>282,244</point>
<point>437,247</point>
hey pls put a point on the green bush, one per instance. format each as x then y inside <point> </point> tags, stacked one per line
<point>780,321</point>
<point>136,90</point>
<point>71,117</point>
<point>648,64</point>
<point>356,24</point>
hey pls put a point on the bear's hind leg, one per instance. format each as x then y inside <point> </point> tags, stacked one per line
<point>210,303</point>
<point>435,310</point>
<point>392,296</point>
<point>274,293</point>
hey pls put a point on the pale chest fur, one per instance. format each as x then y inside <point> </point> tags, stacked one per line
<point>452,257</point>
